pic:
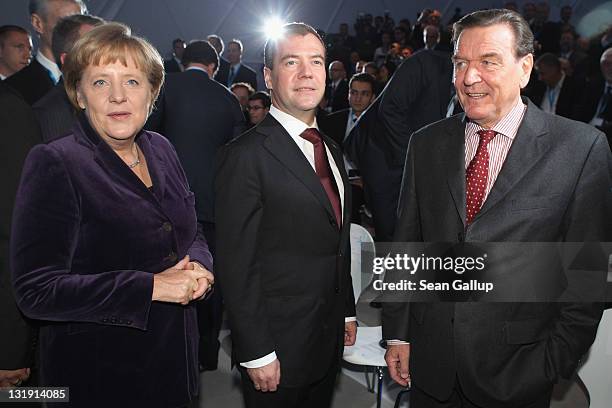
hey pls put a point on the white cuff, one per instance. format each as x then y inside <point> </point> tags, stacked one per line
<point>350,319</point>
<point>396,342</point>
<point>260,362</point>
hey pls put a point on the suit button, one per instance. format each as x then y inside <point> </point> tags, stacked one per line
<point>333,222</point>
<point>113,320</point>
<point>337,290</point>
<point>166,226</point>
<point>104,320</point>
<point>128,322</point>
<point>452,320</point>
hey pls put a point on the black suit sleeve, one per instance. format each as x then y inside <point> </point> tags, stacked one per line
<point>19,134</point>
<point>402,91</point>
<point>577,324</point>
<point>237,227</point>
<point>395,315</point>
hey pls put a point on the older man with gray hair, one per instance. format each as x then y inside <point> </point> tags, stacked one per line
<point>502,172</point>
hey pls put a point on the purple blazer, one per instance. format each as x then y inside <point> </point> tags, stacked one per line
<point>87,237</point>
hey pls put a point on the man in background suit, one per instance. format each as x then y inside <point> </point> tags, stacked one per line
<point>35,80</point>
<point>224,65</point>
<point>555,92</point>
<point>417,95</point>
<point>15,50</point>
<point>361,94</point>
<point>54,112</point>
<point>522,187</point>
<point>198,116</point>
<point>19,134</point>
<point>596,104</point>
<point>336,92</point>
<point>282,219</point>
<point>175,64</point>
<point>238,71</point>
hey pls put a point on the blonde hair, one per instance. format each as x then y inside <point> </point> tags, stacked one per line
<point>108,44</point>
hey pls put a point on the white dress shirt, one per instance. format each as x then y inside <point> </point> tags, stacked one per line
<point>551,96</point>
<point>50,66</point>
<point>295,127</point>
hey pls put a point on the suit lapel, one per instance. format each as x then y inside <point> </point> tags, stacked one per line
<point>531,143</point>
<point>108,159</point>
<point>454,156</point>
<point>280,145</point>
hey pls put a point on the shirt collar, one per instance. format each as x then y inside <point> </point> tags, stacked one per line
<point>292,125</point>
<point>192,68</point>
<point>2,77</point>
<point>236,67</point>
<point>49,65</point>
<point>507,126</point>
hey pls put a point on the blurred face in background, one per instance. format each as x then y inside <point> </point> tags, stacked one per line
<point>15,52</point>
<point>44,23</point>
<point>233,53</point>
<point>361,96</point>
<point>242,94</point>
<point>179,49</point>
<point>257,110</point>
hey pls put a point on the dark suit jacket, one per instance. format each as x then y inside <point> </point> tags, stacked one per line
<point>282,262</point>
<point>223,71</point>
<point>19,134</point>
<point>568,96</point>
<point>54,113</point>
<point>170,65</point>
<point>244,74</point>
<point>417,95</point>
<point>587,107</point>
<point>503,354</point>
<point>198,115</point>
<point>338,98</point>
<point>88,236</point>
<point>334,125</point>
<point>32,82</point>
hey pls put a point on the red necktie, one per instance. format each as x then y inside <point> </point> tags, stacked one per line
<point>477,175</point>
<point>324,171</point>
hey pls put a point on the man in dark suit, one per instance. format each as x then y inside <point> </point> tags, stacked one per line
<point>595,106</point>
<point>417,95</point>
<point>199,115</point>
<point>554,92</point>
<point>360,96</point>
<point>15,50</point>
<point>336,91</point>
<point>35,80</point>
<point>54,112</point>
<point>282,214</point>
<point>238,71</point>
<point>19,133</point>
<point>522,187</point>
<point>224,65</point>
<point>175,64</point>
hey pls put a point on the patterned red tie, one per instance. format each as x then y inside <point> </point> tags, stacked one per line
<point>477,175</point>
<point>324,171</point>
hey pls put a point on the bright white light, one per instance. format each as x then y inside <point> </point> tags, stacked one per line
<point>273,28</point>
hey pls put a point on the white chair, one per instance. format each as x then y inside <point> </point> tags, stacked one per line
<point>366,351</point>
<point>595,369</point>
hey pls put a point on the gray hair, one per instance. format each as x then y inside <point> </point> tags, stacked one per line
<point>523,37</point>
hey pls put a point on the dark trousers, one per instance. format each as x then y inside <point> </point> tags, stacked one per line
<point>210,314</point>
<point>419,399</point>
<point>316,395</point>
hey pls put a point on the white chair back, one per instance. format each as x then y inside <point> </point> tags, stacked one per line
<point>359,236</point>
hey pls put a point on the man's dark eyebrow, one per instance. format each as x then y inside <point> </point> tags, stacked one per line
<point>285,57</point>
<point>483,56</point>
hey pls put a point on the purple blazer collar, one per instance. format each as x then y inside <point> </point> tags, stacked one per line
<point>111,162</point>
